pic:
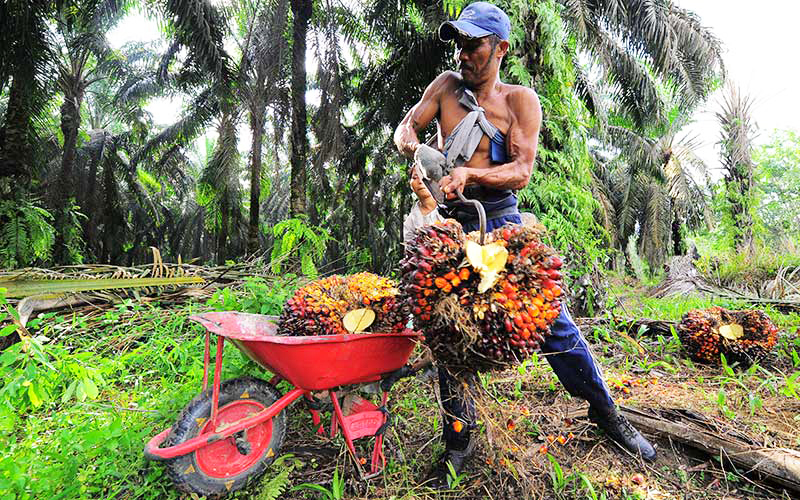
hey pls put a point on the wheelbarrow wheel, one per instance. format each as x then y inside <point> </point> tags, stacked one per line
<point>229,464</point>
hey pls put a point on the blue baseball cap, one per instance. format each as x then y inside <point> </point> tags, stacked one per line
<point>477,20</point>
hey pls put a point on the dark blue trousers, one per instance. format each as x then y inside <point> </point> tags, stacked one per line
<point>565,349</point>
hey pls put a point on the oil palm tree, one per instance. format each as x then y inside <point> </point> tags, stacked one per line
<point>647,188</point>
<point>261,82</point>
<point>640,44</point>
<point>737,132</point>
<point>26,73</point>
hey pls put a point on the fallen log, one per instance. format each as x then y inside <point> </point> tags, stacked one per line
<point>778,465</point>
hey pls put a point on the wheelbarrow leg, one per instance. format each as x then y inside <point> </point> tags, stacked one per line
<point>315,415</point>
<point>217,382</point>
<point>339,416</point>
<point>378,458</point>
<point>206,359</point>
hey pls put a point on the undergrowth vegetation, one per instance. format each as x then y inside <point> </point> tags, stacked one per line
<point>79,399</point>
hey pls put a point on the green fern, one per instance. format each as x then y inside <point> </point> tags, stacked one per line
<point>26,234</point>
<point>275,486</point>
<point>297,239</point>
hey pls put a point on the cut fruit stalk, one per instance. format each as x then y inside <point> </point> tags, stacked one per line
<point>488,260</point>
<point>358,320</point>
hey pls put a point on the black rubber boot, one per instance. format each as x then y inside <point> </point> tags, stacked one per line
<point>440,472</point>
<point>620,430</point>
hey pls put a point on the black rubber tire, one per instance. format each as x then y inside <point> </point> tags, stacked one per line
<point>185,471</point>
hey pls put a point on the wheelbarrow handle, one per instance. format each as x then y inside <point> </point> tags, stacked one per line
<point>150,449</point>
<point>481,212</point>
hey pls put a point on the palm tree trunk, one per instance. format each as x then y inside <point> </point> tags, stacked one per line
<point>222,237</point>
<point>677,239</point>
<point>113,219</point>
<point>90,229</point>
<point>70,124</point>
<point>301,10</point>
<point>257,117</point>
<point>15,148</point>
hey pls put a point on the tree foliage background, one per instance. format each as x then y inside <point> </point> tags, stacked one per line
<point>86,175</point>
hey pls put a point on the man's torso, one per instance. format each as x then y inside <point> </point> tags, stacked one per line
<point>497,109</point>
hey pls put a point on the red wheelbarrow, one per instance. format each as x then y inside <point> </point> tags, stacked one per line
<point>228,434</point>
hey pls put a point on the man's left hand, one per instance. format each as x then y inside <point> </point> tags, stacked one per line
<point>456,181</point>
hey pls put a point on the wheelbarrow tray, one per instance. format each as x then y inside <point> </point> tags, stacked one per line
<point>312,363</point>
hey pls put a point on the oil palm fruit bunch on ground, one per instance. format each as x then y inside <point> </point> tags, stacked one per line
<point>742,336</point>
<point>482,306</point>
<point>358,303</point>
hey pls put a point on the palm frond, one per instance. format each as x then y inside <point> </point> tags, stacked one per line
<point>636,85</point>
<point>199,26</point>
<point>655,225</point>
<point>200,112</point>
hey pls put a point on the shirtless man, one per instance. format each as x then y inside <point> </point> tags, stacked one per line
<point>500,163</point>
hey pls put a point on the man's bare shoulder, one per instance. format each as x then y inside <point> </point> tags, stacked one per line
<point>447,80</point>
<point>520,97</point>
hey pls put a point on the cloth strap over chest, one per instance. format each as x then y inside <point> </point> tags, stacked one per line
<point>463,141</point>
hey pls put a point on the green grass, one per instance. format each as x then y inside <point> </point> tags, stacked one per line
<point>147,365</point>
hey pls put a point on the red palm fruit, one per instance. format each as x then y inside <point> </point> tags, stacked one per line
<point>440,282</point>
<point>553,274</point>
<point>547,283</point>
<point>464,274</point>
<point>556,262</point>
<point>449,276</point>
<point>455,281</point>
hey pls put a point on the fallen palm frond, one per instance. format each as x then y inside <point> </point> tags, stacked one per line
<point>28,288</point>
<point>34,289</point>
<point>683,279</point>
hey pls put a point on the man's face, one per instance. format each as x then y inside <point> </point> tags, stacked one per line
<point>476,58</point>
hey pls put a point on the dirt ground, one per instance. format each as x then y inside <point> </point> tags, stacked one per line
<point>539,443</point>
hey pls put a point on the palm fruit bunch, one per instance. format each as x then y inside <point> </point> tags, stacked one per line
<point>742,336</point>
<point>481,306</point>
<point>344,304</point>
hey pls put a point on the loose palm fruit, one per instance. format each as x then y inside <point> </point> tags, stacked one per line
<point>319,307</point>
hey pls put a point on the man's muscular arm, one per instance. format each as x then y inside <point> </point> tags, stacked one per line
<point>419,116</point>
<point>523,138</point>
